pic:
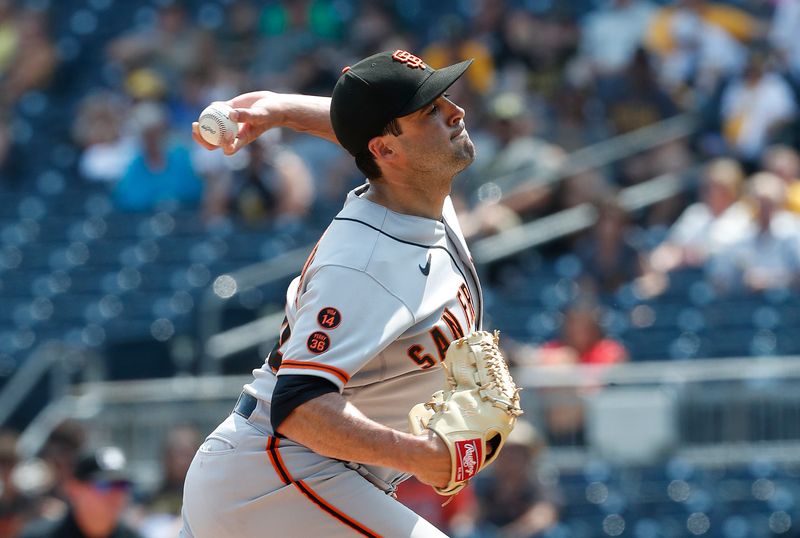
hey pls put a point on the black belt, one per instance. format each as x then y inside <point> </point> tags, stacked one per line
<point>245,405</point>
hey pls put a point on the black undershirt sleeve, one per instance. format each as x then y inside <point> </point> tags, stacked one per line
<point>292,391</point>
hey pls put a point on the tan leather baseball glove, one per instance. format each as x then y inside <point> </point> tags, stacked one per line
<point>477,409</point>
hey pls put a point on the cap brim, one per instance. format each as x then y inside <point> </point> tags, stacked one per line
<point>435,86</point>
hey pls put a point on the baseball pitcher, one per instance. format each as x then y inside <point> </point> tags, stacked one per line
<point>381,370</point>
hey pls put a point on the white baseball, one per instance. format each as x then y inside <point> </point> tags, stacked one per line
<point>215,125</point>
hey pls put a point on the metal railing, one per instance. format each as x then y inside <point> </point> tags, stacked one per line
<point>575,219</point>
<point>217,344</point>
<point>707,410</point>
<point>136,415</point>
<point>57,362</point>
<point>602,153</point>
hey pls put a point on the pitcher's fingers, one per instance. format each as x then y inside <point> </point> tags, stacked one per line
<point>243,137</point>
<point>199,139</point>
<point>228,148</point>
<point>243,129</point>
<point>245,100</point>
<point>247,133</point>
<point>236,145</point>
<point>258,116</point>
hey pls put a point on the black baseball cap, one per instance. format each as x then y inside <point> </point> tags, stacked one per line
<point>383,87</point>
<point>103,464</point>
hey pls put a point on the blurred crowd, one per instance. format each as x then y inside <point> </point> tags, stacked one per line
<point>548,79</point>
<point>75,488</point>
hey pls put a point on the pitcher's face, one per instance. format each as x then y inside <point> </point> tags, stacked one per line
<point>434,139</point>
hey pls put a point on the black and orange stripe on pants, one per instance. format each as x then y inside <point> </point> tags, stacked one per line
<point>286,477</point>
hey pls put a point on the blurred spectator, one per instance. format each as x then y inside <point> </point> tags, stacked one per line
<point>705,227</point>
<point>179,448</point>
<point>673,157</point>
<point>161,171</point>
<point>519,162</point>
<point>97,495</point>
<point>754,107</point>
<point>768,255</point>
<point>519,159</point>
<point>584,188</point>
<point>784,162</point>
<point>514,501</point>
<point>239,37</point>
<point>9,34</point>
<point>607,253</point>
<point>312,73</point>
<point>487,23</point>
<point>456,518</point>
<point>458,43</point>
<point>15,508</point>
<point>61,451</point>
<point>699,42</point>
<point>783,34</point>
<point>600,57</point>
<point>5,150</point>
<point>633,99</point>
<point>163,508</point>
<point>290,29</point>
<point>370,27</point>
<point>320,18</point>
<point>583,341</point>
<point>536,49</point>
<point>146,84</point>
<point>486,218</point>
<point>99,130</point>
<point>580,121</point>
<point>34,61</point>
<point>173,47</point>
<point>273,186</point>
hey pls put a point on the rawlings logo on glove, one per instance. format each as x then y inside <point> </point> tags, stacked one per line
<point>477,409</point>
<point>468,456</point>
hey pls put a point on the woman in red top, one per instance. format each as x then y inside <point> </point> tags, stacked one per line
<point>582,342</point>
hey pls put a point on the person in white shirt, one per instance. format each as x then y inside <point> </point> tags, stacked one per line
<point>600,55</point>
<point>706,226</point>
<point>754,106</point>
<point>784,31</point>
<point>704,53</point>
<point>768,255</point>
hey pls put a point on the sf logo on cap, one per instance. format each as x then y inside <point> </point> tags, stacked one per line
<point>409,59</point>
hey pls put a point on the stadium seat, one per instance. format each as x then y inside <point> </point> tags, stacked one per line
<point>138,359</point>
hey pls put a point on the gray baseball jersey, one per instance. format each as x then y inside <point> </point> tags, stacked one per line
<point>377,303</point>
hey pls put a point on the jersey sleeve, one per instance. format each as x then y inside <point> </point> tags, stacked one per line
<point>344,318</point>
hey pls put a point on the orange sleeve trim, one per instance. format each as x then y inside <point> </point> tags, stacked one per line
<point>338,372</point>
<point>286,477</point>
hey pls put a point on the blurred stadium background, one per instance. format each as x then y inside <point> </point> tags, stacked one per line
<point>633,211</point>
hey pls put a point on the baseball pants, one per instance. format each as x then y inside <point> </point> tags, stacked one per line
<point>244,482</point>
